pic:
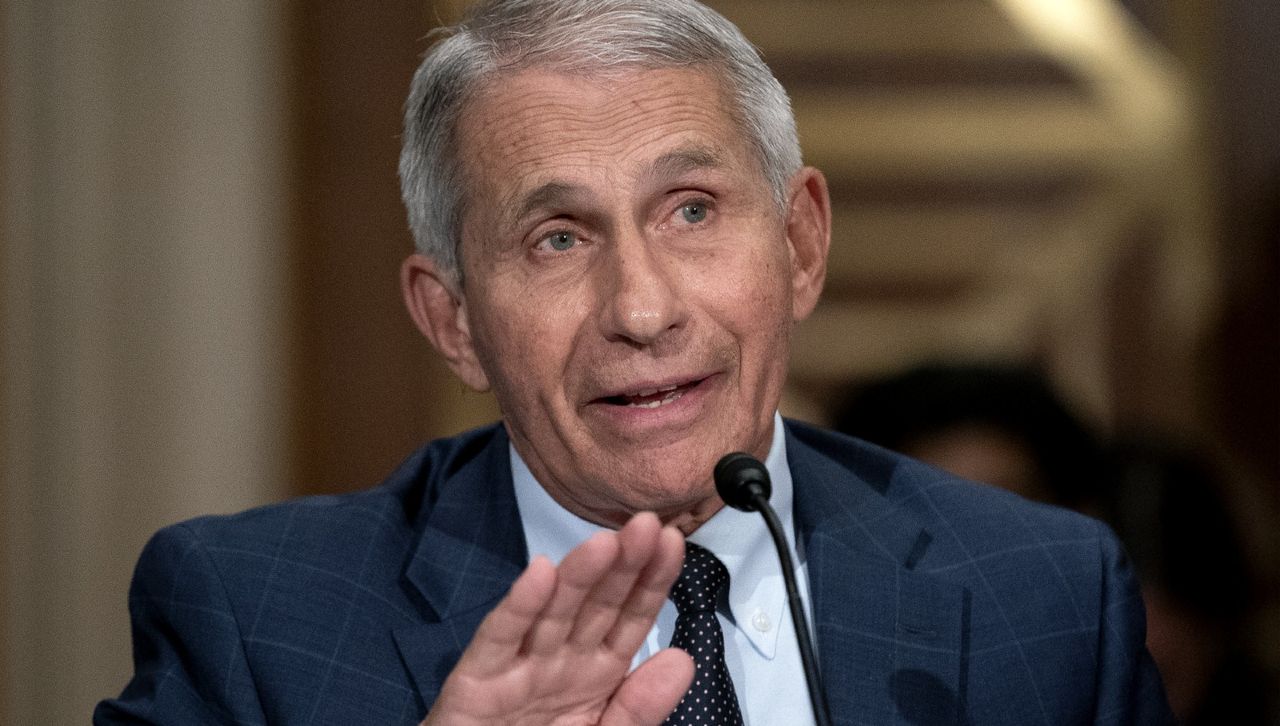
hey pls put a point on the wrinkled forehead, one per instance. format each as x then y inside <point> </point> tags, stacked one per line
<point>523,124</point>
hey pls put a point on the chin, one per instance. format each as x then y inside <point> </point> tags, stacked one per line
<point>665,488</point>
<point>673,470</point>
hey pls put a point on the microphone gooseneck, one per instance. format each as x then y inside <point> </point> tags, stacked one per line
<point>743,483</point>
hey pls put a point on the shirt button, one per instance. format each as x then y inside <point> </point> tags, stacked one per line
<point>760,621</point>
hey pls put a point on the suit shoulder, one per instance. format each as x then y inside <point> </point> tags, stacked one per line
<point>1051,608</point>
<point>235,607</point>
<point>984,516</point>
<point>332,528</point>
<point>973,516</point>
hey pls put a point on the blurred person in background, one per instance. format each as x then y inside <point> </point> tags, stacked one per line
<point>1168,504</point>
<point>996,423</point>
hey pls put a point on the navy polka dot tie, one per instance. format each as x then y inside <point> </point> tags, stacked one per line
<point>710,699</point>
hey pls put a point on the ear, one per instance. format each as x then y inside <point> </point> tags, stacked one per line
<point>439,309</point>
<point>809,237</point>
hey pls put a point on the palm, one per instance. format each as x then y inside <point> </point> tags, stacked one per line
<point>557,649</point>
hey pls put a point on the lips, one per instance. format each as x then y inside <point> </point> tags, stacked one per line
<point>653,397</point>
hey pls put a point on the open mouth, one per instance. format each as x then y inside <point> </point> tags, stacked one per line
<point>653,397</point>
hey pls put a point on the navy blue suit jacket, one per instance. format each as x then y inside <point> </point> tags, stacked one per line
<point>935,601</point>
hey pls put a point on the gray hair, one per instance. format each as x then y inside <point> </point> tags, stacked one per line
<point>590,37</point>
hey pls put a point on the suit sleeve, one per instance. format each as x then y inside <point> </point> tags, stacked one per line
<point>1130,692</point>
<point>189,661</point>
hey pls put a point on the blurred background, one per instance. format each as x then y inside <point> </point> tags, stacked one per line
<point>1055,268</point>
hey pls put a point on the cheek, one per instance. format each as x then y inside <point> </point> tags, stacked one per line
<point>524,340</point>
<point>762,321</point>
<point>760,292</point>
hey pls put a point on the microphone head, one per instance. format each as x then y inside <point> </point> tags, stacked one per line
<point>739,478</point>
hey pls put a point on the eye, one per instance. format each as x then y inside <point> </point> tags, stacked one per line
<point>559,241</point>
<point>694,212</point>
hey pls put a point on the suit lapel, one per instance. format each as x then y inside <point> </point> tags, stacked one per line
<point>470,549</point>
<point>890,639</point>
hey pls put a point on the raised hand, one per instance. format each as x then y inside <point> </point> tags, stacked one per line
<point>558,648</point>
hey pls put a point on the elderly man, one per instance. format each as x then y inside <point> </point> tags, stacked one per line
<point>615,235</point>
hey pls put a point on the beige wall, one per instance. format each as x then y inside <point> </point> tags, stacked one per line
<point>141,301</point>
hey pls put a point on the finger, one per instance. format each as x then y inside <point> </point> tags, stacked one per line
<point>638,542</point>
<point>577,574</point>
<point>651,692</point>
<point>504,629</point>
<point>648,595</point>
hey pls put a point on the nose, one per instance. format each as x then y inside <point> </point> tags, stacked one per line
<point>642,293</point>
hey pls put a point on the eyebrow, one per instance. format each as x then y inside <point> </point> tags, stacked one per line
<point>551,194</point>
<point>682,161</point>
<point>669,165</point>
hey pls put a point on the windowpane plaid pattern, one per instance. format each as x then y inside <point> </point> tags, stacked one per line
<point>934,600</point>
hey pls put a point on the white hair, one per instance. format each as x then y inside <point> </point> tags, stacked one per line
<point>590,37</point>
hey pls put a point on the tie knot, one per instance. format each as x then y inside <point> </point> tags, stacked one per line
<point>702,577</point>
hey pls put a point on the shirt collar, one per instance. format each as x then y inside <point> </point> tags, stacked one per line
<point>757,595</point>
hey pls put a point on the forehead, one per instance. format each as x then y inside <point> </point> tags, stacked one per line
<point>527,128</point>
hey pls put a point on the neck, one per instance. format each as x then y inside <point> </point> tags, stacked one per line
<point>685,517</point>
<point>689,520</point>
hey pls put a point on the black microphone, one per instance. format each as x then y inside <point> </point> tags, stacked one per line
<point>743,483</point>
<point>740,479</point>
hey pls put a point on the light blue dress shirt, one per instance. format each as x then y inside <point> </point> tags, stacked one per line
<point>760,641</point>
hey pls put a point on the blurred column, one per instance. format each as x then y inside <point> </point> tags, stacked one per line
<point>142,277</point>
<point>368,389</point>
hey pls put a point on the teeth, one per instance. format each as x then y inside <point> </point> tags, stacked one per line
<point>672,395</point>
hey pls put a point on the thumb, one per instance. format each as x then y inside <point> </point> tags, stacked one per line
<point>648,695</point>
